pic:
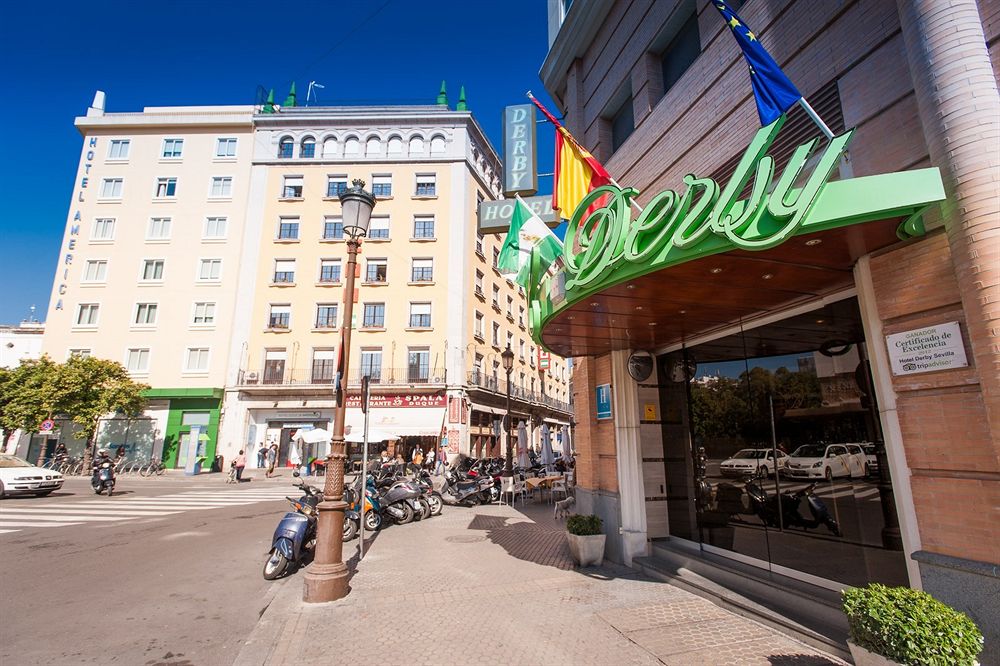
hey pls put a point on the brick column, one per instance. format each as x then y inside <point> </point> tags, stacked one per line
<point>959,106</point>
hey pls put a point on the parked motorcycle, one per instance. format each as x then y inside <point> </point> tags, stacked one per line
<point>295,535</point>
<point>432,496</point>
<point>373,511</point>
<point>766,507</point>
<point>465,492</point>
<point>103,478</point>
<point>399,500</point>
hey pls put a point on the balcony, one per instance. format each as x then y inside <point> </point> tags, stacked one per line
<point>319,378</point>
<point>498,385</point>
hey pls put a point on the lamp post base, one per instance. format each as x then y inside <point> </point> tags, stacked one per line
<point>327,578</point>
<point>325,582</point>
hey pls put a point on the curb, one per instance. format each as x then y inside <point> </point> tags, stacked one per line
<point>268,635</point>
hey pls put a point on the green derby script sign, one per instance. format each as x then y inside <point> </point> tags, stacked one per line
<point>605,246</point>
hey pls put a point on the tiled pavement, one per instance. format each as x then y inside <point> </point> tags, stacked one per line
<point>493,585</point>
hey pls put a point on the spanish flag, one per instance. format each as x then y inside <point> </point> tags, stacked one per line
<point>577,172</point>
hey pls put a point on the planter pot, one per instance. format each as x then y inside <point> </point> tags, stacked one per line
<point>863,657</point>
<point>587,551</point>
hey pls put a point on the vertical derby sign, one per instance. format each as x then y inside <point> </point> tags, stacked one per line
<point>520,162</point>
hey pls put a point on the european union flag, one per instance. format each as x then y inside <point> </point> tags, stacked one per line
<point>774,92</point>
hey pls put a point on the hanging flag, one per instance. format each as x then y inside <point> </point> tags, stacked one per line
<point>577,172</point>
<point>527,232</point>
<point>774,92</point>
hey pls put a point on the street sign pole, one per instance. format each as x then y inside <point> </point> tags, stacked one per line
<point>365,394</point>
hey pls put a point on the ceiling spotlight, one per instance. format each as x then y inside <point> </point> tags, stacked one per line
<point>814,241</point>
<point>652,323</point>
<point>766,276</point>
<point>638,307</point>
<point>572,317</point>
<point>683,311</point>
<point>594,304</point>
<point>630,286</point>
<point>715,271</point>
<point>821,321</point>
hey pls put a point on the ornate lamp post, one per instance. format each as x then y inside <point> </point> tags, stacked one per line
<point>326,579</point>
<point>508,365</point>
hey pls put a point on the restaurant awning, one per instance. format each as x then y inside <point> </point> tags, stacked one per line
<point>399,421</point>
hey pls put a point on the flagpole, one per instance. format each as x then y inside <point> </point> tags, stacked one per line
<point>815,117</point>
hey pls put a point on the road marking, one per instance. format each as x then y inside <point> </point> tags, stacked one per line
<point>86,509</point>
<point>4,523</point>
<point>71,517</point>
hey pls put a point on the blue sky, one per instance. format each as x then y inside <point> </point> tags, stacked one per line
<point>56,54</point>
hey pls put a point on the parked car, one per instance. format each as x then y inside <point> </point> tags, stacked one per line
<point>870,456</point>
<point>18,477</point>
<point>748,461</point>
<point>826,461</point>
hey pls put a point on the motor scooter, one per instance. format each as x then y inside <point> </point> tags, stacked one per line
<point>471,492</point>
<point>373,511</point>
<point>295,535</point>
<point>766,508</point>
<point>103,478</point>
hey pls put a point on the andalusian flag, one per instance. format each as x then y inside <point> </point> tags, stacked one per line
<point>577,172</point>
<point>527,234</point>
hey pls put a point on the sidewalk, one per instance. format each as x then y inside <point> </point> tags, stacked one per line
<point>496,584</point>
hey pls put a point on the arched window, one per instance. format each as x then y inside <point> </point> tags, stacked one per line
<point>395,145</point>
<point>285,147</point>
<point>352,146</point>
<point>308,148</point>
<point>417,145</point>
<point>373,146</point>
<point>437,145</point>
<point>329,146</point>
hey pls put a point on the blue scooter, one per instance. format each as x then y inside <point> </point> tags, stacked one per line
<point>295,535</point>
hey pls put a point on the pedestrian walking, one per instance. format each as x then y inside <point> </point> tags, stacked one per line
<point>240,462</point>
<point>430,459</point>
<point>261,456</point>
<point>272,460</point>
<point>441,462</point>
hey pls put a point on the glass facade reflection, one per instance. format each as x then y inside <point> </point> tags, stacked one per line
<point>782,411</point>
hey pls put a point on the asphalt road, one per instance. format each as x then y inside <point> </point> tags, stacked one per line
<point>135,587</point>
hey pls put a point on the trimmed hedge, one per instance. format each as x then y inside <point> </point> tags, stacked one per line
<point>910,627</point>
<point>584,525</point>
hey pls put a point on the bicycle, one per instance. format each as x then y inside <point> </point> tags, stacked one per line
<point>154,467</point>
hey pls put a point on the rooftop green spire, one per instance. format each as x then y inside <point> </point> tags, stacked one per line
<point>290,100</point>
<point>461,106</point>
<point>442,99</point>
<point>269,104</point>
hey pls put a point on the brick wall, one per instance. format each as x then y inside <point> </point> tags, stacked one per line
<point>955,462</point>
<point>596,462</point>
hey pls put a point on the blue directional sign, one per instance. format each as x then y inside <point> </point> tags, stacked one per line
<point>603,401</point>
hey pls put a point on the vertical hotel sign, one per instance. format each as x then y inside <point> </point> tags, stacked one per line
<point>520,163</point>
<point>74,228</point>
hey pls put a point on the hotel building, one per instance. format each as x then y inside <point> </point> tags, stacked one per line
<point>870,340</point>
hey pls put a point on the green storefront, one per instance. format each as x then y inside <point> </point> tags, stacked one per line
<point>189,407</point>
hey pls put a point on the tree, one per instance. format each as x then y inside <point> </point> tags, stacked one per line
<point>90,388</point>
<point>28,396</point>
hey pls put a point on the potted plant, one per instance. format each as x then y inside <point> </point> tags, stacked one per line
<point>899,625</point>
<point>586,540</point>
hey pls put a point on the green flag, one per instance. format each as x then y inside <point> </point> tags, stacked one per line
<point>527,232</point>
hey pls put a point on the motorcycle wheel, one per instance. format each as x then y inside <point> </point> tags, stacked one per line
<point>111,489</point>
<point>437,504</point>
<point>275,565</point>
<point>407,514</point>
<point>97,490</point>
<point>425,508</point>
<point>373,521</point>
<point>834,528</point>
<point>494,494</point>
<point>350,529</point>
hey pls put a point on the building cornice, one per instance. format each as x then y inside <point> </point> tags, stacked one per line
<point>236,116</point>
<point>584,19</point>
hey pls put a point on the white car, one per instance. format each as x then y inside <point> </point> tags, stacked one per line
<point>748,461</point>
<point>827,461</point>
<point>18,477</point>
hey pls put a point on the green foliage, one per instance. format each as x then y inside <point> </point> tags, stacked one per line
<point>584,525</point>
<point>910,627</point>
<point>28,395</point>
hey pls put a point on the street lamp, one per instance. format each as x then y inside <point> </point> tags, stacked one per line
<point>326,579</point>
<point>508,365</point>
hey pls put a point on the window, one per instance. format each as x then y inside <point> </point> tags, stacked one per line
<point>510,307</point>
<point>496,334</point>
<point>496,258</point>
<point>382,186</point>
<point>204,314</point>
<point>496,297</point>
<point>145,314</point>
<point>225,147</point>
<point>329,146</point>
<point>374,316</point>
<point>280,316</point>
<point>371,364</point>
<point>196,359</point>
<point>510,340</point>
<point>118,149</point>
<point>96,270</point>
<point>426,185</point>
<point>622,124</point>
<point>329,270</point>
<point>80,353</point>
<point>531,355</point>
<point>326,315</point>
<point>682,51</point>
<point>478,330</point>
<point>437,145</point>
<point>215,227</point>
<point>137,360</point>
<point>158,229</point>
<point>285,148</point>
<point>222,187</point>
<point>210,269</point>
<point>376,270</point>
<point>422,270</point>
<point>423,227</point>
<point>274,366</point>
<point>378,227</point>
<point>420,315</point>
<point>172,148</point>
<point>111,188</point>
<point>152,269</point>
<point>166,187</point>
<point>86,314</point>
<point>292,187</point>
<point>335,185</point>
<point>104,229</point>
<point>479,283</point>
<point>308,148</point>
<point>418,361</point>
<point>324,365</point>
<point>288,228</point>
<point>479,244</point>
<point>333,228</point>
<point>520,316</point>
<point>284,271</point>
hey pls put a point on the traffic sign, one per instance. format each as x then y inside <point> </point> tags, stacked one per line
<point>47,425</point>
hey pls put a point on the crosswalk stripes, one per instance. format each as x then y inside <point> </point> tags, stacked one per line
<point>17,516</point>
